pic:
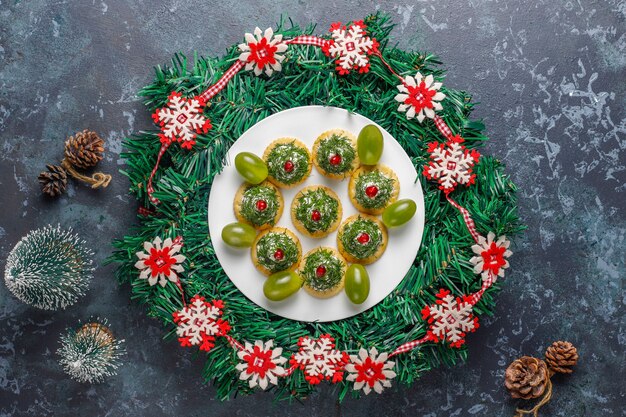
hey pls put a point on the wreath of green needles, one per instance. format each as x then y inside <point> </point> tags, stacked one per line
<point>308,78</point>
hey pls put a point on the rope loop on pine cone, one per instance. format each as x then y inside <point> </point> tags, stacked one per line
<point>535,410</point>
<point>97,180</point>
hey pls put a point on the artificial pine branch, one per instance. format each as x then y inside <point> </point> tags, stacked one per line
<point>308,78</point>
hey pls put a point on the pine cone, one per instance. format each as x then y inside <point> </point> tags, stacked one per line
<point>85,149</point>
<point>526,377</point>
<point>54,181</point>
<point>560,356</point>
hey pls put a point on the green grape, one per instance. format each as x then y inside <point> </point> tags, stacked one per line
<point>238,235</point>
<point>399,213</point>
<point>357,283</point>
<point>281,285</point>
<point>251,167</point>
<point>370,145</point>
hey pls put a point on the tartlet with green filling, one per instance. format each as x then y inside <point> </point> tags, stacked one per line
<point>288,162</point>
<point>323,272</point>
<point>335,155</point>
<point>316,211</point>
<point>372,189</point>
<point>259,205</point>
<point>275,250</point>
<point>362,239</point>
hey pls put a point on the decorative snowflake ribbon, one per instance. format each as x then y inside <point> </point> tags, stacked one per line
<point>319,359</point>
<point>262,52</point>
<point>419,97</point>
<point>370,371</point>
<point>199,323</point>
<point>451,164</point>
<point>160,261</point>
<point>181,120</point>
<point>262,364</point>
<point>450,318</point>
<point>350,47</point>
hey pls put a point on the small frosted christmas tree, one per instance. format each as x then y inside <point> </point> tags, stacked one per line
<point>49,268</point>
<point>90,353</point>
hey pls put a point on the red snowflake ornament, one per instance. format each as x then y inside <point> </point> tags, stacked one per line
<point>199,323</point>
<point>451,164</point>
<point>181,120</point>
<point>351,47</point>
<point>450,318</point>
<point>319,360</point>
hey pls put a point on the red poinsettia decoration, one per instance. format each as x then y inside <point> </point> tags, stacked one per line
<point>262,364</point>
<point>370,371</point>
<point>262,51</point>
<point>160,261</point>
<point>419,97</point>
<point>491,255</point>
<point>181,120</point>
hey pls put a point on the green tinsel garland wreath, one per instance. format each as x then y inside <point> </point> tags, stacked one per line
<point>308,77</point>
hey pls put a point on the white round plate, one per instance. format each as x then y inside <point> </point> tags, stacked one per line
<point>307,123</point>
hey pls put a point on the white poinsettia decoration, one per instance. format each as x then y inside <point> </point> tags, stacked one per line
<point>263,51</point>
<point>262,364</point>
<point>160,261</point>
<point>491,255</point>
<point>419,97</point>
<point>370,371</point>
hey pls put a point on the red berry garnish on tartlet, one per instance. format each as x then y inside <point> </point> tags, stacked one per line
<point>335,159</point>
<point>261,205</point>
<point>320,271</point>
<point>279,254</point>
<point>371,191</point>
<point>363,238</point>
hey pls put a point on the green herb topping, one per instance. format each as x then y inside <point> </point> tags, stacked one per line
<point>336,145</point>
<point>254,210</point>
<point>322,270</point>
<point>379,196</point>
<point>316,210</point>
<point>353,240</point>
<point>277,251</point>
<point>288,163</point>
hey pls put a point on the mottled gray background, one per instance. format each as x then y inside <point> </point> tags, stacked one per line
<point>550,76</point>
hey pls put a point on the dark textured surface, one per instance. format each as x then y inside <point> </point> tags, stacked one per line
<point>550,76</point>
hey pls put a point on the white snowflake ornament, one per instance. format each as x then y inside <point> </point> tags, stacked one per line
<point>370,371</point>
<point>160,261</point>
<point>419,97</point>
<point>319,359</point>
<point>451,164</point>
<point>262,52</point>
<point>262,364</point>
<point>350,46</point>
<point>450,318</point>
<point>199,322</point>
<point>181,120</point>
<point>491,256</point>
